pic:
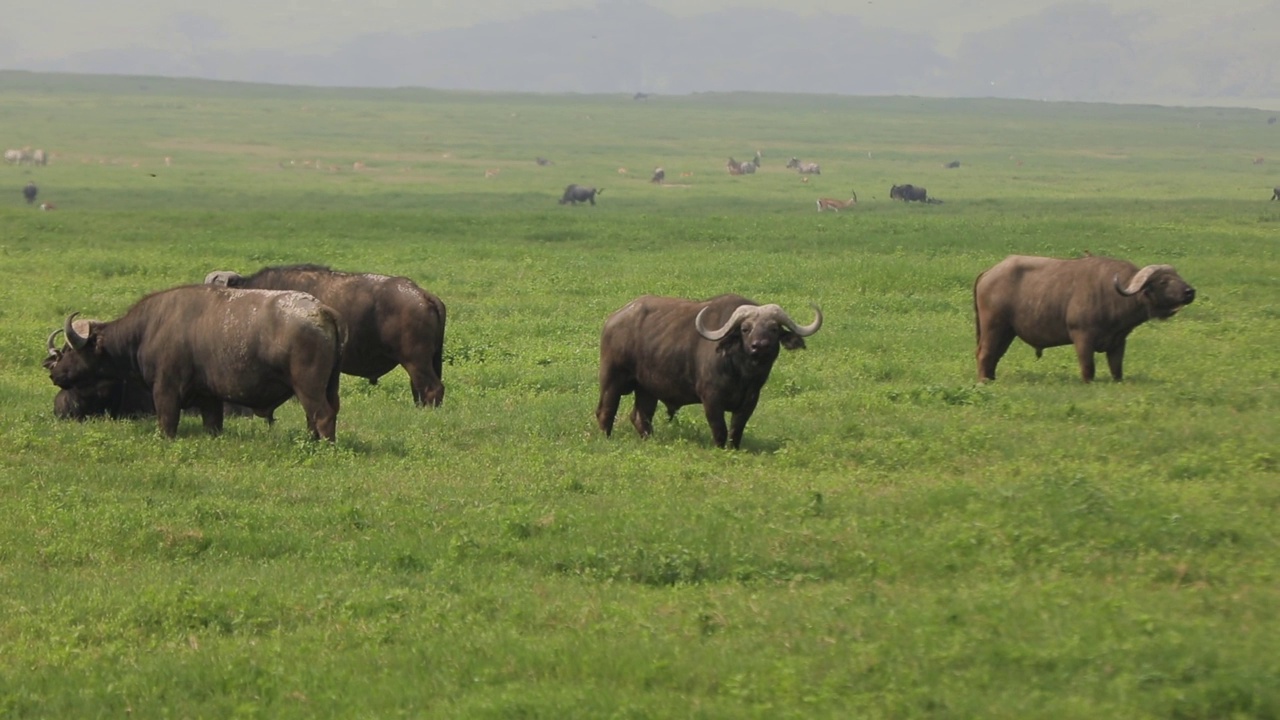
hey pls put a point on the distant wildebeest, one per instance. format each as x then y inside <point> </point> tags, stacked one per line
<point>952,165</point>
<point>574,194</point>
<point>389,321</point>
<point>658,175</point>
<point>661,349</point>
<point>1275,194</point>
<point>200,346</point>
<point>911,193</point>
<point>30,191</point>
<point>804,168</point>
<point>1092,303</point>
<point>543,161</point>
<point>837,205</point>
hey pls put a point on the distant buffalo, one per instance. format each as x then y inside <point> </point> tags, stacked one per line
<point>717,353</point>
<point>658,175</point>
<point>1275,194</point>
<point>1092,303</point>
<point>952,165</point>
<point>574,194</point>
<point>29,191</point>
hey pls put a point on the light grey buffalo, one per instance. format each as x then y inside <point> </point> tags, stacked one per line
<point>1092,303</point>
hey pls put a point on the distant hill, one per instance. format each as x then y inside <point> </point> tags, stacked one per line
<point>1070,51</point>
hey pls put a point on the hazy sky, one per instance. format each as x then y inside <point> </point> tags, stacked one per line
<point>70,26</point>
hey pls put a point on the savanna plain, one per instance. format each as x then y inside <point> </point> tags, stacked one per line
<point>892,540</point>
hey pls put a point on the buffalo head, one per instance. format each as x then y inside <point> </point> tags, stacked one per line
<point>761,330</point>
<point>1162,288</point>
<point>84,360</point>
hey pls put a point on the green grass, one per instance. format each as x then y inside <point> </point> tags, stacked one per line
<point>892,540</point>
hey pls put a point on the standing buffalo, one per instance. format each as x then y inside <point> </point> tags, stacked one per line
<point>580,193</point>
<point>658,175</point>
<point>199,345</point>
<point>29,192</point>
<point>661,349</point>
<point>390,321</point>
<point>1275,194</point>
<point>1092,303</point>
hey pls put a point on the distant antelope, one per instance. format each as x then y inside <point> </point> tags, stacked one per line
<point>357,165</point>
<point>1258,160</point>
<point>837,205</point>
<point>168,161</point>
<point>492,172</point>
<point>622,171</point>
<point>48,206</point>
<point>686,174</point>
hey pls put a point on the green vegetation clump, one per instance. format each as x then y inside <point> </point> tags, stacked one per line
<point>892,540</point>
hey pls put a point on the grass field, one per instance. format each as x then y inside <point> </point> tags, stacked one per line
<point>892,540</point>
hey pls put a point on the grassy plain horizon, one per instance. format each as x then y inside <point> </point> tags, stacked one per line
<point>893,540</point>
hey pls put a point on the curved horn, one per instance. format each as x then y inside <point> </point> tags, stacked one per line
<point>801,330</point>
<point>741,313</point>
<point>1138,281</point>
<point>49,343</point>
<point>76,340</point>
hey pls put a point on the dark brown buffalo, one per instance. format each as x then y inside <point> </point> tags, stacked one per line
<point>1092,303</point>
<point>661,349</point>
<point>390,321</point>
<point>1275,194</point>
<point>114,398</point>
<point>199,346</point>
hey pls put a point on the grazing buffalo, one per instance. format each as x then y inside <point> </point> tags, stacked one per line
<point>94,398</point>
<point>29,191</point>
<point>200,345</point>
<point>390,321</point>
<point>804,168</point>
<point>1092,303</point>
<point>580,193</point>
<point>662,349</point>
<point>910,193</point>
<point>1275,194</point>
<point>115,398</point>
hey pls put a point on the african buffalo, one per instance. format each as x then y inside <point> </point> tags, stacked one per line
<point>661,349</point>
<point>580,193</point>
<point>390,321</point>
<point>29,192</point>
<point>115,398</point>
<point>1092,303</point>
<point>200,345</point>
<point>1275,194</point>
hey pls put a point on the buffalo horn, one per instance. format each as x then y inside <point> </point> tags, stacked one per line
<point>741,313</point>
<point>801,330</point>
<point>76,340</point>
<point>1139,280</point>
<point>53,350</point>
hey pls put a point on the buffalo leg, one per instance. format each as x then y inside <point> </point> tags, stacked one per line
<point>607,409</point>
<point>715,418</point>
<point>168,410</point>
<point>322,416</point>
<point>738,423</point>
<point>642,414</point>
<point>1084,353</point>
<point>992,345</point>
<point>426,385</point>
<point>1115,360</point>
<point>211,412</point>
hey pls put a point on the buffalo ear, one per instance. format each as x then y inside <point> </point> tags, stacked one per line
<point>792,341</point>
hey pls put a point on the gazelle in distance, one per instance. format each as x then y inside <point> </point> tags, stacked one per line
<point>837,205</point>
